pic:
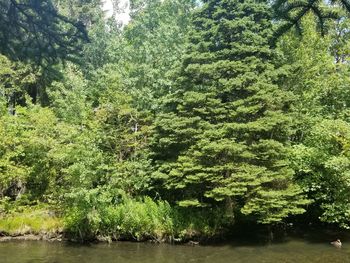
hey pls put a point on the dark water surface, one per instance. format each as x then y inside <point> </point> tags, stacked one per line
<point>293,250</point>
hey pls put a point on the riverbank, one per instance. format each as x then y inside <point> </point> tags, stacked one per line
<point>132,221</point>
<point>31,224</point>
<point>33,237</point>
<point>141,222</point>
<point>239,237</point>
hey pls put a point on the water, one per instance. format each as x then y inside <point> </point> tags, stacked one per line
<point>294,250</point>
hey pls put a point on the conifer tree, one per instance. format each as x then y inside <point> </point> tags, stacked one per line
<point>292,12</point>
<point>35,30</point>
<point>222,138</point>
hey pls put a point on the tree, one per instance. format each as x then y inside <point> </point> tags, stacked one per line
<point>16,81</point>
<point>322,163</point>
<point>68,96</point>
<point>25,140</point>
<point>34,30</point>
<point>154,42</point>
<point>223,134</point>
<point>318,77</point>
<point>123,133</point>
<point>291,12</point>
<point>102,32</point>
<point>311,70</point>
<point>88,12</point>
<point>340,35</point>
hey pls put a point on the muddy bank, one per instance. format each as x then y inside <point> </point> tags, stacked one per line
<point>5,237</point>
<point>61,237</point>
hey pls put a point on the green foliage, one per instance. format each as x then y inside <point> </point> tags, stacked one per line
<point>25,139</point>
<point>16,81</point>
<point>155,41</point>
<point>87,12</point>
<point>224,132</point>
<point>318,77</point>
<point>198,223</point>
<point>123,133</point>
<point>34,30</point>
<point>68,96</point>
<point>115,216</point>
<point>97,212</point>
<point>291,12</point>
<point>41,157</point>
<point>313,77</point>
<point>176,125</point>
<point>322,163</point>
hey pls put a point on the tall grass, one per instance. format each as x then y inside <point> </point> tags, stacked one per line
<point>142,219</point>
<point>35,222</point>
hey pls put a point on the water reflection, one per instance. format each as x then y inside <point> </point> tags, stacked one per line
<point>293,250</point>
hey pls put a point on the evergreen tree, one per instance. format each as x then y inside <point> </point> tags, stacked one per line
<point>292,12</point>
<point>223,133</point>
<point>34,30</point>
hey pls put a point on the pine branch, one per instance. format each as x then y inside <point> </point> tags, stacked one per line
<point>290,13</point>
<point>36,31</point>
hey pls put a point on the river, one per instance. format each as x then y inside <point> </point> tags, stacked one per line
<point>293,250</point>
